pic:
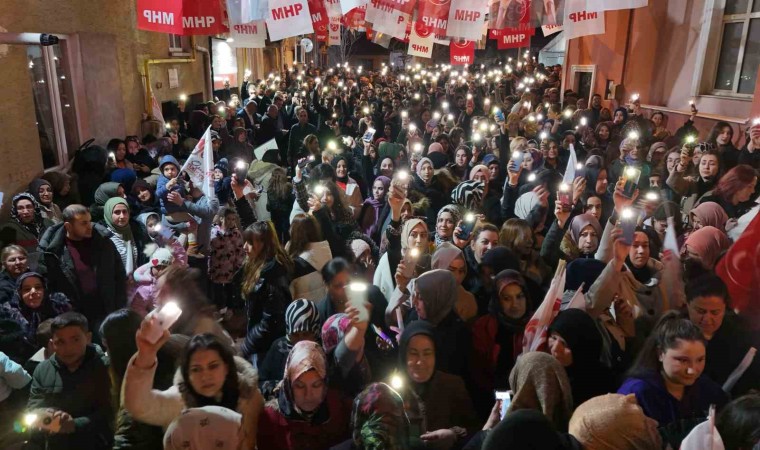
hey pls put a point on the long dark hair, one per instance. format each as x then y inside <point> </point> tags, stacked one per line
<point>739,422</point>
<point>304,230</point>
<point>716,129</point>
<point>230,389</point>
<point>733,181</point>
<point>666,333</point>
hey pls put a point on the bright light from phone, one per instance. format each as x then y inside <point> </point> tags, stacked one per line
<point>564,187</point>
<point>240,165</point>
<point>567,113</point>
<point>414,252</point>
<point>531,178</point>
<point>30,419</point>
<point>584,121</point>
<point>652,196</point>
<point>319,189</point>
<point>633,135</point>
<point>397,382</point>
<point>403,175</point>
<point>627,213</point>
<point>183,97</point>
<point>332,145</point>
<point>171,309</point>
<point>476,137</point>
<point>631,172</point>
<point>691,139</point>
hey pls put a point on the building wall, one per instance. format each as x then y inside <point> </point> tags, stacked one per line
<point>652,51</point>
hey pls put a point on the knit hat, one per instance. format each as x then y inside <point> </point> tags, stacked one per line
<point>358,247</point>
<point>223,166</point>
<point>468,194</point>
<point>204,428</point>
<point>439,159</point>
<point>500,258</point>
<point>300,316</point>
<point>162,257</point>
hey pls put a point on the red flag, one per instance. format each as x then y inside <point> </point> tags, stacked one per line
<point>537,329</point>
<point>368,32</point>
<point>355,17</point>
<point>202,17</point>
<point>321,32</point>
<point>435,14</point>
<point>163,16</point>
<point>512,38</point>
<point>462,52</point>
<point>495,33</point>
<point>318,13</point>
<point>740,270</point>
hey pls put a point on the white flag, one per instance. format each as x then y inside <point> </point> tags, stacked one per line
<point>572,162</point>
<point>421,40</point>
<point>259,151</point>
<point>248,35</point>
<point>548,30</point>
<point>288,18</point>
<point>348,5</point>
<point>466,18</point>
<point>333,37</point>
<point>155,111</point>
<point>200,165</point>
<point>581,21</point>
<point>579,299</point>
<point>614,5</point>
<point>670,242</point>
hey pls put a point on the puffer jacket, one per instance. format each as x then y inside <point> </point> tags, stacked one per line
<point>160,408</point>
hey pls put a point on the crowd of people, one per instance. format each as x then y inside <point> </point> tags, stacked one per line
<point>433,257</point>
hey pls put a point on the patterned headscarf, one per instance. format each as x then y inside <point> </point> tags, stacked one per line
<point>209,427</point>
<point>614,422</point>
<point>334,330</point>
<point>379,421</point>
<point>468,194</point>
<point>36,226</point>
<point>456,216</point>
<point>303,357</point>
<point>301,315</point>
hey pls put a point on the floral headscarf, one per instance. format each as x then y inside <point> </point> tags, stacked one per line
<point>334,330</point>
<point>204,428</point>
<point>36,226</point>
<point>303,357</point>
<point>379,421</point>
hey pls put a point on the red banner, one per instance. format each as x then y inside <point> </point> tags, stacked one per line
<point>368,32</point>
<point>318,13</point>
<point>163,16</point>
<point>434,14</point>
<point>462,52</point>
<point>355,17</point>
<point>512,38</point>
<point>322,32</point>
<point>496,33</point>
<point>184,17</point>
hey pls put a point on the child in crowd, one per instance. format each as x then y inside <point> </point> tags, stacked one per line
<point>226,257</point>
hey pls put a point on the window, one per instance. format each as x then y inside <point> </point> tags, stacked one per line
<point>739,56</point>
<point>54,102</point>
<point>178,45</point>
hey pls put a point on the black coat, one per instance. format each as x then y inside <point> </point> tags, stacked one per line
<point>267,131</point>
<point>56,264</point>
<point>265,308</point>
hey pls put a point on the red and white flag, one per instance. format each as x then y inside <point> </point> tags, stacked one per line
<point>387,19</point>
<point>322,32</point>
<point>183,17</point>
<point>348,5</point>
<point>462,52</point>
<point>200,165</point>
<point>318,13</point>
<point>421,40</point>
<point>513,14</point>
<point>288,18</point>
<point>548,30</point>
<point>334,31</point>
<point>248,35</point>
<point>580,21</point>
<point>466,18</point>
<point>512,38</point>
<point>333,8</point>
<point>614,5</point>
<point>537,330</point>
<point>435,14</point>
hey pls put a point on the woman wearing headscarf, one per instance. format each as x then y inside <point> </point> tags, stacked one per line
<point>427,183</point>
<point>347,184</point>
<point>614,422</point>
<point>582,239</point>
<point>372,208</point>
<point>26,225</point>
<point>708,214</point>
<point>301,324</point>
<point>447,220</point>
<point>705,247</point>
<point>102,194</point>
<point>42,191</point>
<point>128,236</point>
<point>490,206</point>
<point>63,194</point>
<point>539,382</point>
<point>378,420</point>
<point>31,305</point>
<point>305,413</point>
<point>527,429</point>
<point>205,428</point>
<point>576,343</point>
<point>412,234</point>
<point>343,342</point>
<point>497,337</point>
<point>436,420</point>
<point>450,257</point>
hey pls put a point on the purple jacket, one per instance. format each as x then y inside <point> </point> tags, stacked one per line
<point>658,404</point>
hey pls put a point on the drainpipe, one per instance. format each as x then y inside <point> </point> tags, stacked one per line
<point>146,69</point>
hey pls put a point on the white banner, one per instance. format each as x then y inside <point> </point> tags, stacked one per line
<point>333,37</point>
<point>614,5</point>
<point>248,35</point>
<point>580,21</point>
<point>333,8</point>
<point>391,22</point>
<point>548,30</point>
<point>200,165</point>
<point>244,11</point>
<point>348,5</point>
<point>288,18</point>
<point>156,113</point>
<point>259,151</point>
<point>421,40</point>
<point>466,18</point>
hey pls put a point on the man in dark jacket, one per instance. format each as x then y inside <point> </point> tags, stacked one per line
<point>81,262</point>
<point>297,134</point>
<point>250,115</point>
<point>72,388</point>
<point>269,128</point>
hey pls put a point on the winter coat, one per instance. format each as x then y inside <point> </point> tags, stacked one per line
<point>56,264</point>
<point>226,256</point>
<point>272,369</point>
<point>84,394</point>
<point>329,426</point>
<point>7,287</point>
<point>691,191</point>
<point>141,239</point>
<point>160,408</point>
<point>307,278</point>
<point>265,308</point>
<point>12,232</point>
<point>204,210</point>
<point>657,403</point>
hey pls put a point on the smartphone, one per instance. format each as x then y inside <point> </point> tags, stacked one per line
<point>165,318</point>
<point>368,135</point>
<point>499,115</point>
<point>506,400</point>
<point>580,170</point>
<point>305,161</point>
<point>628,219</point>
<point>468,224</point>
<point>358,298</point>
<point>518,157</point>
<point>410,262</point>
<point>565,197</point>
<point>631,176</point>
<point>241,170</point>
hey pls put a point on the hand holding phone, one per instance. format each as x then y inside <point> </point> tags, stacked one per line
<point>163,319</point>
<point>631,176</point>
<point>628,221</point>
<point>410,262</point>
<point>357,297</point>
<point>565,197</point>
<point>241,170</point>
<point>506,400</point>
<point>467,225</point>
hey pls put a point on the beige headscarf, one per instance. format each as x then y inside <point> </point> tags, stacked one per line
<point>406,230</point>
<point>540,382</point>
<point>204,428</point>
<point>614,422</point>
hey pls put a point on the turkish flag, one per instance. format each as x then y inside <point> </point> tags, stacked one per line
<point>162,16</point>
<point>740,270</point>
<point>322,32</point>
<point>462,52</point>
<point>318,13</point>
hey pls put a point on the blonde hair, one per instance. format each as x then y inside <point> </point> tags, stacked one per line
<point>518,143</point>
<point>265,232</point>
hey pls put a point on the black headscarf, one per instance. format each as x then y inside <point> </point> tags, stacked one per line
<point>34,188</point>
<point>527,429</point>
<point>36,226</point>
